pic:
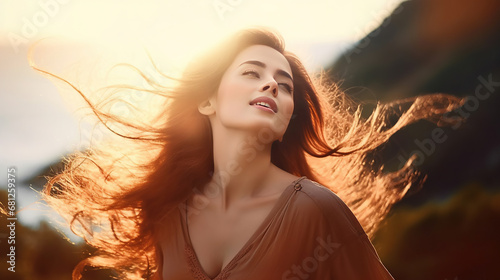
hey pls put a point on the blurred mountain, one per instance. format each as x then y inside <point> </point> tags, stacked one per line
<point>38,180</point>
<point>41,253</point>
<point>456,239</point>
<point>447,229</point>
<point>430,46</point>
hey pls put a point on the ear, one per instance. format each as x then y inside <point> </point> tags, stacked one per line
<point>207,107</point>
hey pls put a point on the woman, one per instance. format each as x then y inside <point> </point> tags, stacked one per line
<point>240,176</point>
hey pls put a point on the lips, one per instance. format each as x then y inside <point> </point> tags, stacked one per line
<point>265,102</point>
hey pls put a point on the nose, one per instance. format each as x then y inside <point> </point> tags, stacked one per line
<point>271,86</point>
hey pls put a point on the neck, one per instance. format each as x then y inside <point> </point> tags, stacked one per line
<point>242,162</point>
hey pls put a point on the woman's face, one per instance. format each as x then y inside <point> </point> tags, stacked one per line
<point>256,92</point>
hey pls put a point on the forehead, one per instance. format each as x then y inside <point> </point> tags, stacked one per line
<point>269,56</point>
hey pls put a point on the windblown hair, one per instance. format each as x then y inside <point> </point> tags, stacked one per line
<point>116,193</point>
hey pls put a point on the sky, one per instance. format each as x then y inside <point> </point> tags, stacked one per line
<point>38,126</point>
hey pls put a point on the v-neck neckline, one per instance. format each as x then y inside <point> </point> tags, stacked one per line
<point>265,223</point>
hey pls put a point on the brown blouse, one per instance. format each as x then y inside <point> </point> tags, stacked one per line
<point>309,234</point>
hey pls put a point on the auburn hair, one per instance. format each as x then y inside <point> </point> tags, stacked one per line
<point>116,193</point>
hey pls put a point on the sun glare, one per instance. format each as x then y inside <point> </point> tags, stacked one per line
<point>175,30</point>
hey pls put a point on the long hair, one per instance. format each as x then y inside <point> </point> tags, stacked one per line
<point>116,193</point>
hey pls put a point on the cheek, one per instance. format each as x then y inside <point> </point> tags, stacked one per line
<point>230,93</point>
<point>288,107</point>
<point>281,123</point>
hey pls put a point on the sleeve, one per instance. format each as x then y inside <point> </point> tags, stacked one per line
<point>358,259</point>
<point>344,246</point>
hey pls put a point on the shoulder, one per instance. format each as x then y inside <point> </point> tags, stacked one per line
<point>316,200</point>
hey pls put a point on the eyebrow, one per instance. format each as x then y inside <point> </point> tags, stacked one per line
<point>263,65</point>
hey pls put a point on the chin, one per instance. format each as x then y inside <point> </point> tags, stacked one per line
<point>259,125</point>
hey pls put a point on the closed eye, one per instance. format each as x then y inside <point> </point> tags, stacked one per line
<point>287,87</point>
<point>251,73</point>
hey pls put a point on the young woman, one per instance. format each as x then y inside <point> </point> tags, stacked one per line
<point>240,176</point>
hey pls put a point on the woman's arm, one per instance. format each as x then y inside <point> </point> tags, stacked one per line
<point>345,248</point>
